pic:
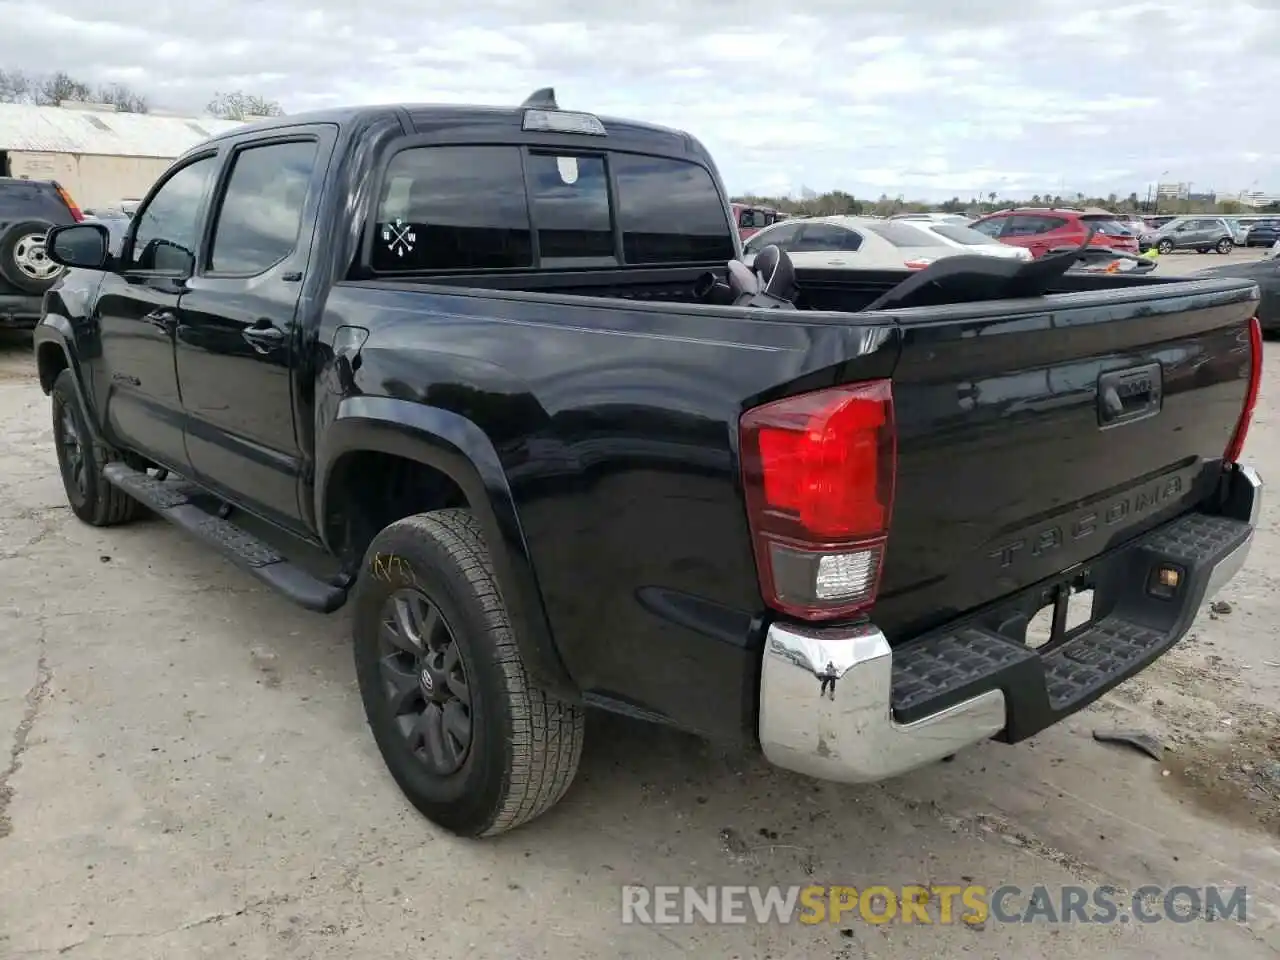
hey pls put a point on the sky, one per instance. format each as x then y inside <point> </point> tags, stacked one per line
<point>927,99</point>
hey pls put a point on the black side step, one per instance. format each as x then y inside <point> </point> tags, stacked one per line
<point>243,549</point>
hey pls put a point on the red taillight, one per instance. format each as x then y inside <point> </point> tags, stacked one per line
<point>76,215</point>
<point>1236,446</point>
<point>918,263</point>
<point>818,474</point>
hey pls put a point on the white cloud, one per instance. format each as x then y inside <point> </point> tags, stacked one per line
<point>926,99</point>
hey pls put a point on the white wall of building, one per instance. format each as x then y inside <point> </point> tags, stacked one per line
<point>92,181</point>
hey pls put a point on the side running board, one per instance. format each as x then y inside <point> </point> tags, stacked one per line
<point>246,551</point>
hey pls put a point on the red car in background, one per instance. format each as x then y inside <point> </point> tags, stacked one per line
<point>752,220</point>
<point>1041,229</point>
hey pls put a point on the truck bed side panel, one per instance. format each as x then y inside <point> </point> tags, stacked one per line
<point>617,428</point>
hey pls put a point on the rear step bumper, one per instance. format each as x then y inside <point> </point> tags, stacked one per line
<point>841,704</point>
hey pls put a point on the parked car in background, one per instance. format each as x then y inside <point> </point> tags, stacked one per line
<point>1200,234</point>
<point>751,219</point>
<point>1239,230</point>
<point>1041,229</point>
<point>1142,230</point>
<point>1264,233</point>
<point>968,240</point>
<point>852,243</point>
<point>28,208</point>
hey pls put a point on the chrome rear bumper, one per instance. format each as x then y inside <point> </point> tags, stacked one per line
<point>826,693</point>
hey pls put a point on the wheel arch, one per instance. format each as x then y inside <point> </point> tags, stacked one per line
<point>460,466</point>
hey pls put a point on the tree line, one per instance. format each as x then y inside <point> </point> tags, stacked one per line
<point>838,202</point>
<point>49,90</point>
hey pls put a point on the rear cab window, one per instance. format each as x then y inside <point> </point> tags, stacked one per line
<point>447,208</point>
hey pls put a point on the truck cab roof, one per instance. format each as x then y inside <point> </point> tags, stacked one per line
<point>447,121</point>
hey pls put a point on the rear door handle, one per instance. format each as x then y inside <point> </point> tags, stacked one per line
<point>263,338</point>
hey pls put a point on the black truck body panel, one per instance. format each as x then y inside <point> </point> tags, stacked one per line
<point>590,419</point>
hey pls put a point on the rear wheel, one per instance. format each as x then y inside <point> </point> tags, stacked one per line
<point>469,740</point>
<point>81,459</point>
<point>1225,245</point>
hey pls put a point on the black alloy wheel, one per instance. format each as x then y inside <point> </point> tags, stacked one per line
<point>425,681</point>
<point>71,455</point>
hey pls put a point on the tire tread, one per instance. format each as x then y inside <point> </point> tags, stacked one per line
<point>547,733</point>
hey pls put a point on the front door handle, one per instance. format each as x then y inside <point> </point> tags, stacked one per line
<point>263,338</point>
<point>166,320</point>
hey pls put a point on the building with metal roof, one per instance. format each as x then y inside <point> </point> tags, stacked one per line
<point>100,156</point>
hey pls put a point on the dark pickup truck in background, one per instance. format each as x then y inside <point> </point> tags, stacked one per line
<point>498,375</point>
<point>28,208</point>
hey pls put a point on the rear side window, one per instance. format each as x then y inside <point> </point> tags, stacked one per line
<point>1030,226</point>
<point>901,234</point>
<point>570,198</point>
<point>453,208</point>
<point>1106,226</point>
<point>261,212</point>
<point>669,212</point>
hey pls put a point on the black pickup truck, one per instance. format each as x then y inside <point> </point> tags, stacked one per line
<point>500,376</point>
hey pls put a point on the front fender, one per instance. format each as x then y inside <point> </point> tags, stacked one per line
<point>54,346</point>
<point>458,448</point>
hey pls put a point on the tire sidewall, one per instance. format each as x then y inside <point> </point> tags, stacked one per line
<point>1165,246</point>
<point>65,398</point>
<point>407,556</point>
<point>8,265</point>
<point>1225,247</point>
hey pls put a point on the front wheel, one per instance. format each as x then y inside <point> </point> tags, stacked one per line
<point>1225,245</point>
<point>1165,247</point>
<point>469,740</point>
<point>80,462</point>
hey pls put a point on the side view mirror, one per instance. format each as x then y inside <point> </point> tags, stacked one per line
<point>82,245</point>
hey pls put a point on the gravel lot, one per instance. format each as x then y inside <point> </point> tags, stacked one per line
<point>185,772</point>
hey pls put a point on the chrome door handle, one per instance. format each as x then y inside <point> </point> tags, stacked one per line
<point>263,339</point>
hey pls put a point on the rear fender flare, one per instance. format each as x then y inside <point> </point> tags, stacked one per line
<point>458,448</point>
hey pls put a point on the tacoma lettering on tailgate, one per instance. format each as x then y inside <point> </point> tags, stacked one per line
<point>1048,538</point>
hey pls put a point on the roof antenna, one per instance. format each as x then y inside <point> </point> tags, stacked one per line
<point>544,99</point>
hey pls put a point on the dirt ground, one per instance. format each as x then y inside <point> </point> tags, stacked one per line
<point>185,772</point>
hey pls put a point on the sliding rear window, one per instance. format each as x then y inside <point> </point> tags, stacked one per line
<point>447,208</point>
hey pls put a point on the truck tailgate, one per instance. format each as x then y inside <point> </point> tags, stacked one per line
<point>1034,435</point>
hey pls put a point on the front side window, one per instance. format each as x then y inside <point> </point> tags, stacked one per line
<point>453,208</point>
<point>168,227</point>
<point>261,211</point>
<point>670,212</point>
<point>570,198</point>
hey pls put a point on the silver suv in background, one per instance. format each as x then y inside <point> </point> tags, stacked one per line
<point>1201,234</point>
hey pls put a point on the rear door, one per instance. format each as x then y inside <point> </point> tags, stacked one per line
<point>1010,468</point>
<point>237,336</point>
